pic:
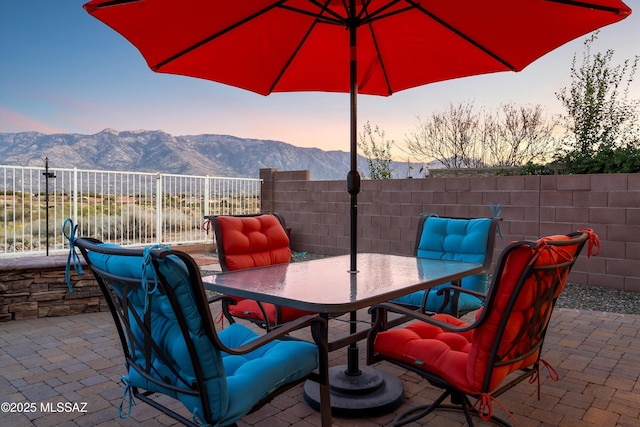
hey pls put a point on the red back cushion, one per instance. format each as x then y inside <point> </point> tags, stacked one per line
<point>484,336</point>
<point>249,242</point>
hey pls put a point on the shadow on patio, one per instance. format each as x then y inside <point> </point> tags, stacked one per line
<point>77,360</point>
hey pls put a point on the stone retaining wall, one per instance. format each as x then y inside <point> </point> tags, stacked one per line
<point>35,287</point>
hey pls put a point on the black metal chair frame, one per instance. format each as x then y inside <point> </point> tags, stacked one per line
<point>122,311</point>
<point>534,331</point>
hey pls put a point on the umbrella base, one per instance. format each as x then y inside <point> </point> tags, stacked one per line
<point>372,392</point>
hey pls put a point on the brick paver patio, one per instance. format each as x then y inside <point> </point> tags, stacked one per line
<point>77,361</point>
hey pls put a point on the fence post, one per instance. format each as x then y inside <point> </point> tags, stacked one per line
<point>159,220</point>
<point>207,194</point>
<point>74,196</point>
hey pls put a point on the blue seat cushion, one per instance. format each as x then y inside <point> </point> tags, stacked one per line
<point>453,239</point>
<point>234,384</point>
<point>253,376</point>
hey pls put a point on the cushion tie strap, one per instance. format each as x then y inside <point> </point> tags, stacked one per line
<point>126,395</point>
<point>594,241</point>
<point>219,319</point>
<point>535,376</point>
<point>496,211</point>
<point>206,226</point>
<point>146,267</point>
<point>485,407</point>
<point>198,420</point>
<point>73,255</point>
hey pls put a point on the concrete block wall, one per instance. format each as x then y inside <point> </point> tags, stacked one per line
<point>532,206</point>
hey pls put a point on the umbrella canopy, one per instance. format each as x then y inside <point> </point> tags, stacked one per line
<point>374,47</point>
<point>270,46</point>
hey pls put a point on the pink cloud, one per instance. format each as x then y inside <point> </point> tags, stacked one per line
<point>10,121</point>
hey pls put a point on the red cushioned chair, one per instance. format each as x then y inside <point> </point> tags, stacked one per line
<point>473,360</point>
<point>247,242</point>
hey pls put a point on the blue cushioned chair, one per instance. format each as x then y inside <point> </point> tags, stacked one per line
<point>171,346</point>
<point>461,239</point>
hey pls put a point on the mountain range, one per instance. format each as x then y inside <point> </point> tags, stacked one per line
<point>157,151</point>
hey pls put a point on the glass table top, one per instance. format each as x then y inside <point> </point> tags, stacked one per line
<point>326,286</point>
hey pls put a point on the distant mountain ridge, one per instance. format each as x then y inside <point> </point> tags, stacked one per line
<point>157,151</point>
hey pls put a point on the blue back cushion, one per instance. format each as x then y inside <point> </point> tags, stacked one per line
<point>453,239</point>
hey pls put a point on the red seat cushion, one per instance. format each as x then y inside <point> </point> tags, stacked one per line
<point>249,309</point>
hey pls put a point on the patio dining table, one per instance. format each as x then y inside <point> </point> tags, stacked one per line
<point>326,286</point>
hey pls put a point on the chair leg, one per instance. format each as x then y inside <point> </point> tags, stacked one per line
<point>460,402</point>
<point>145,397</point>
<point>227,314</point>
<point>403,418</point>
<point>466,404</point>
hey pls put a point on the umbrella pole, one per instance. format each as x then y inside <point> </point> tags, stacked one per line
<point>353,185</point>
<point>356,391</point>
<point>353,178</point>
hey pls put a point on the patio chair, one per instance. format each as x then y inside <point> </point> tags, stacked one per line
<point>172,348</point>
<point>461,239</point>
<point>474,360</point>
<point>249,241</point>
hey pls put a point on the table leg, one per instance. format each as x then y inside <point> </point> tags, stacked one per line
<point>324,396</point>
<point>357,391</point>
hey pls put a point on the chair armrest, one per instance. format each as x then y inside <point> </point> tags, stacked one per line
<point>219,297</point>
<point>446,293</point>
<point>315,321</point>
<point>379,312</point>
<point>460,289</point>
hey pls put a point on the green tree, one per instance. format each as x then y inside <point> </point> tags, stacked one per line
<point>601,120</point>
<point>377,149</point>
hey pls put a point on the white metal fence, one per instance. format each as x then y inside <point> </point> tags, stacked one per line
<point>126,208</point>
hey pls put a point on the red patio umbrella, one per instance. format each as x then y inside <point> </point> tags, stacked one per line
<point>374,47</point>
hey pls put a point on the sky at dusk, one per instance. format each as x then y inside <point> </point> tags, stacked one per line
<point>62,71</point>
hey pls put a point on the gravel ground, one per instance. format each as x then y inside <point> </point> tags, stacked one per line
<point>595,298</point>
<point>580,297</point>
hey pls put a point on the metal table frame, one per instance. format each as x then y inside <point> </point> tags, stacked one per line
<point>326,286</point>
